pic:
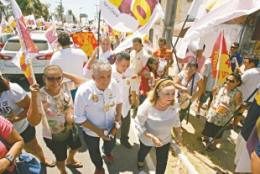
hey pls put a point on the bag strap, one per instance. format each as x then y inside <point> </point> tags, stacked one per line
<point>252,94</point>
<point>192,84</point>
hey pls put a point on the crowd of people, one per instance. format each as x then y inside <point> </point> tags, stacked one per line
<point>97,94</point>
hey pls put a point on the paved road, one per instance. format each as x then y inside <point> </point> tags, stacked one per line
<point>124,163</point>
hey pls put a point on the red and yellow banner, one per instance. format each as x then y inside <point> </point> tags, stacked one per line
<point>86,41</point>
<point>220,63</point>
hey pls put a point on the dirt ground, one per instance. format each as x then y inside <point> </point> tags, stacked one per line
<point>220,161</point>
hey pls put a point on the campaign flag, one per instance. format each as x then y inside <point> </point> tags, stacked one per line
<point>20,61</point>
<point>220,63</point>
<point>51,35</point>
<point>229,9</point>
<point>132,16</point>
<point>127,15</point>
<point>28,48</point>
<point>85,41</point>
<point>25,39</point>
<point>4,26</point>
<point>30,21</point>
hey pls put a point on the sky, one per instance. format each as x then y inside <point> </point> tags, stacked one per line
<point>77,6</point>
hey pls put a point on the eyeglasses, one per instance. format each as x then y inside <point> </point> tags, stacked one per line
<point>54,78</point>
<point>231,81</point>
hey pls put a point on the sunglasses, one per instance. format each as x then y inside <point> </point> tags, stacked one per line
<point>54,78</point>
<point>231,81</point>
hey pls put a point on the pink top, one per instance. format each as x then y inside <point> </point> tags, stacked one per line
<point>6,128</point>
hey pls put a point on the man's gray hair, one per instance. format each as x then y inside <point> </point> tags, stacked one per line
<point>101,65</point>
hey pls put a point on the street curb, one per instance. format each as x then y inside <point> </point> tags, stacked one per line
<point>191,169</point>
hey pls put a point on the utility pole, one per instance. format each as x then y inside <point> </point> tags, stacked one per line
<point>169,20</point>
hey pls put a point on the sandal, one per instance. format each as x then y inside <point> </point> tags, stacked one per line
<point>77,164</point>
<point>52,164</point>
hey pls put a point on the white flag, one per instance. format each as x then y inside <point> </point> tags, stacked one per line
<point>229,10</point>
<point>195,8</point>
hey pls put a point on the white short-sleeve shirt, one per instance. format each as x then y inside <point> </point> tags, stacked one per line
<point>8,100</point>
<point>250,79</point>
<point>96,106</point>
<point>124,88</point>
<point>159,123</point>
<point>71,60</point>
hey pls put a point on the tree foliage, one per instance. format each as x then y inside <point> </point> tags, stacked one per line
<point>35,7</point>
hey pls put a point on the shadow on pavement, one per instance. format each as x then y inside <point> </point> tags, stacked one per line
<point>222,158</point>
<point>125,160</point>
<point>74,171</point>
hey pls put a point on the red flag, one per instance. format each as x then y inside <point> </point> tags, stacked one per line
<point>26,42</point>
<point>27,45</point>
<point>220,63</point>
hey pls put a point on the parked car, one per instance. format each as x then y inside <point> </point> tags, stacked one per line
<point>3,38</point>
<point>10,50</point>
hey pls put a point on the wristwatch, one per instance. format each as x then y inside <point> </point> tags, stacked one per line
<point>10,158</point>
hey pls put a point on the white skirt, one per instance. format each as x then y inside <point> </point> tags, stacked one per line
<point>242,158</point>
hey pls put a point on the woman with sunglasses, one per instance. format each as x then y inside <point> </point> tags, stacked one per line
<point>14,105</point>
<point>58,119</point>
<point>225,101</point>
<point>154,121</point>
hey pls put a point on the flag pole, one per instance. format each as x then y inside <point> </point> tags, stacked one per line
<point>176,41</point>
<point>182,28</point>
<point>32,72</point>
<point>219,56</point>
<point>99,20</point>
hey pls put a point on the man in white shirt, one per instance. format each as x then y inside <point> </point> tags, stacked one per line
<point>250,80</point>
<point>71,60</point>
<point>138,60</point>
<point>105,51</point>
<point>98,108</point>
<point>250,77</point>
<point>118,73</point>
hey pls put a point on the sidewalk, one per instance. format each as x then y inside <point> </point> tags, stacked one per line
<point>124,163</point>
